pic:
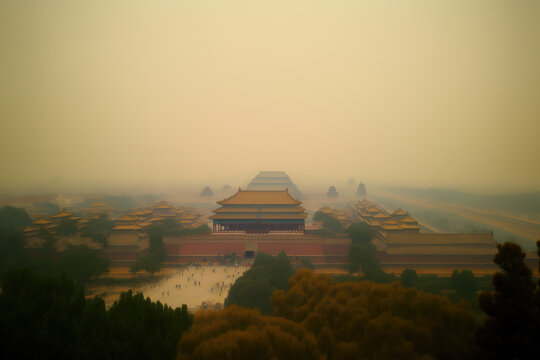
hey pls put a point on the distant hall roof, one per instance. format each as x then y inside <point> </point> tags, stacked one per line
<point>266,197</point>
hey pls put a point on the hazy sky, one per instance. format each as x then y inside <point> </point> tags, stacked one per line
<point>423,93</point>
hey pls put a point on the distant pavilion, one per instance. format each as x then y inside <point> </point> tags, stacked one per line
<point>259,212</point>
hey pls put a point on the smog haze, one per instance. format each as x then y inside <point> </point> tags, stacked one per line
<point>122,93</point>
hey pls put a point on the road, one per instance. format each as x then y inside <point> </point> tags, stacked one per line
<point>524,227</point>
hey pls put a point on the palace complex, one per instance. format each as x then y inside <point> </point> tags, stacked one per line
<point>259,212</point>
<point>265,219</point>
<point>401,245</point>
<point>344,219</point>
<point>274,180</point>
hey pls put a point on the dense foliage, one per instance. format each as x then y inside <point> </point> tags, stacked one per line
<point>254,289</point>
<point>67,227</point>
<point>12,218</point>
<point>49,318</point>
<point>376,321</point>
<point>82,263</point>
<point>169,227</point>
<point>151,260</point>
<point>512,328</point>
<point>237,333</point>
<point>362,254</point>
<point>330,225</point>
<point>98,228</point>
<point>11,248</point>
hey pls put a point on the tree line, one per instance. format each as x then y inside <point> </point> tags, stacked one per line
<point>49,317</point>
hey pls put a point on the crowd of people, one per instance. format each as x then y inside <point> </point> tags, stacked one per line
<point>193,284</point>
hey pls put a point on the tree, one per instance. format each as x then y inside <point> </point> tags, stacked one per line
<point>238,333</point>
<point>152,260</point>
<point>330,225</point>
<point>360,232</point>
<point>306,263</point>
<point>255,287</point>
<point>364,320</point>
<point>11,248</point>
<point>408,277</point>
<point>147,262</point>
<point>362,254</point>
<point>512,327</point>
<point>82,263</point>
<point>142,329</point>
<point>14,218</point>
<point>67,227</point>
<point>98,229</point>
<point>464,284</point>
<point>170,227</point>
<point>49,317</point>
<point>42,317</point>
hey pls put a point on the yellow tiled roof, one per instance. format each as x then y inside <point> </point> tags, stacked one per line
<point>259,209</point>
<point>62,214</point>
<point>256,216</point>
<point>409,226</point>
<point>409,220</point>
<point>42,222</point>
<point>164,205</point>
<point>127,227</point>
<point>127,218</point>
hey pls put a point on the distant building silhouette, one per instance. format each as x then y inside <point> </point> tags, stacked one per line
<point>207,191</point>
<point>274,180</point>
<point>361,191</point>
<point>332,192</point>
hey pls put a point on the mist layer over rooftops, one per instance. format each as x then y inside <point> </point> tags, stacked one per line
<point>274,180</point>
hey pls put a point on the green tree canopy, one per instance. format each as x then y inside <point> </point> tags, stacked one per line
<point>464,284</point>
<point>49,317</point>
<point>142,329</point>
<point>14,218</point>
<point>330,225</point>
<point>151,261</point>
<point>512,327</point>
<point>408,277</point>
<point>360,233</point>
<point>67,227</point>
<point>362,254</point>
<point>82,263</point>
<point>98,228</point>
<point>255,287</point>
<point>11,248</point>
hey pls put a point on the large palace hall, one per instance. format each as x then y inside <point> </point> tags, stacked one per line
<point>259,212</point>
